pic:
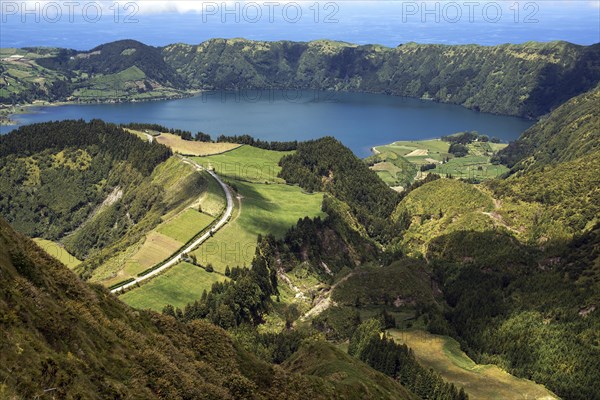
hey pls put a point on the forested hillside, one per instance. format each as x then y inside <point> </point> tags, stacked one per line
<point>571,131</point>
<point>62,338</point>
<point>517,258</point>
<point>525,80</point>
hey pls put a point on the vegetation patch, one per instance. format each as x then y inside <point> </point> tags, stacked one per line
<point>192,147</point>
<point>246,163</point>
<point>481,382</point>
<point>181,284</point>
<point>58,251</point>
<point>185,225</point>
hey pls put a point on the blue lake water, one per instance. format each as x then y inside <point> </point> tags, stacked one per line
<point>359,120</point>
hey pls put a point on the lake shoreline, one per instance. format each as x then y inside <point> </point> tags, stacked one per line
<point>359,120</point>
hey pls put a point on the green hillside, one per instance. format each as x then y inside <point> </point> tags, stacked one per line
<point>570,132</point>
<point>62,338</point>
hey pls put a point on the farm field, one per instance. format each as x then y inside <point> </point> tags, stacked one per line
<point>57,251</point>
<point>271,208</point>
<point>246,163</point>
<point>177,286</point>
<point>156,248</point>
<point>481,382</point>
<point>185,225</point>
<point>192,147</point>
<point>391,161</point>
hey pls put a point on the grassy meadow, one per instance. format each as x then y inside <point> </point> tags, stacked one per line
<point>481,382</point>
<point>246,163</point>
<point>192,147</point>
<point>177,286</point>
<point>57,251</point>
<point>185,225</point>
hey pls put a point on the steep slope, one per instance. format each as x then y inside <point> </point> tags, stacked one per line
<point>62,338</point>
<point>571,131</point>
<point>525,80</point>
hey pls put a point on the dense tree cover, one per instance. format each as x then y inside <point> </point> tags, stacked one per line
<point>263,144</point>
<point>569,132</point>
<point>465,137</point>
<point>63,338</point>
<point>458,150</point>
<point>398,361</point>
<point>30,139</point>
<point>54,175</point>
<point>532,322</point>
<point>243,300</point>
<point>327,165</point>
<point>525,80</point>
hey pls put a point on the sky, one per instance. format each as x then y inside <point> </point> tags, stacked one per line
<point>85,24</point>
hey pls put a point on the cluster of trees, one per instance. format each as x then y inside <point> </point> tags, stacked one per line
<point>263,144</point>
<point>398,361</point>
<point>327,165</point>
<point>458,150</point>
<point>105,137</point>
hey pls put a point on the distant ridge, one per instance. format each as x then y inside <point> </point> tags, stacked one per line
<point>526,80</point>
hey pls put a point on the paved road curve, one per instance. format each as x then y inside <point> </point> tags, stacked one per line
<point>177,257</point>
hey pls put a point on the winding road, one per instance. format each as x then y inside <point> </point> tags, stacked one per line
<point>177,257</point>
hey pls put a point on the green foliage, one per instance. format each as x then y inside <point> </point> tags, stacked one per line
<point>569,132</point>
<point>404,282</point>
<point>353,378</point>
<point>64,337</point>
<point>327,165</point>
<point>458,150</point>
<point>337,323</point>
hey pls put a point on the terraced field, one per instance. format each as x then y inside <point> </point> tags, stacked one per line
<point>393,162</point>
